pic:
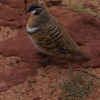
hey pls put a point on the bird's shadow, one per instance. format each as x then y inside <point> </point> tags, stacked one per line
<point>62,61</point>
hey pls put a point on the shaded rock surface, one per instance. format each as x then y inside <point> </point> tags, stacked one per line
<point>84,29</point>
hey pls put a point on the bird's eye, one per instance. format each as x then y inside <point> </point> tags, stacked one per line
<point>32,9</point>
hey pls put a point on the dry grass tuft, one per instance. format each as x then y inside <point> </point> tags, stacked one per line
<point>79,6</point>
<point>80,85</point>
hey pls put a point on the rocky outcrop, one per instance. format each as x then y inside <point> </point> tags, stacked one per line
<point>84,29</point>
<point>15,4</point>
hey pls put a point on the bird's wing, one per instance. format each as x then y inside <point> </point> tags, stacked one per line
<point>52,38</point>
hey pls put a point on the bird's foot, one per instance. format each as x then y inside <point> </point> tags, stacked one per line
<point>43,55</point>
<point>44,63</point>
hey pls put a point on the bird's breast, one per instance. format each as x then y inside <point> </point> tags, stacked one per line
<point>34,43</point>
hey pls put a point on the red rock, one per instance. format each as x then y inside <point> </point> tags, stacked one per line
<point>29,1</point>
<point>17,24</point>
<point>52,2</point>
<point>8,13</point>
<point>17,75</point>
<point>21,46</point>
<point>58,11</point>
<point>6,23</point>
<point>18,4</point>
<point>22,20</point>
<point>2,22</point>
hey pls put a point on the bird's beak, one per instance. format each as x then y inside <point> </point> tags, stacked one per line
<point>27,11</point>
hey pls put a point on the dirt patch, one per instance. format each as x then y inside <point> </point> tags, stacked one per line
<point>7,33</point>
<point>46,85</point>
<point>7,63</point>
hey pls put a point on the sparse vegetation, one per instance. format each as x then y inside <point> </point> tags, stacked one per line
<point>80,85</point>
<point>78,6</point>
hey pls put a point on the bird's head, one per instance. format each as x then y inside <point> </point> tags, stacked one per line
<point>37,7</point>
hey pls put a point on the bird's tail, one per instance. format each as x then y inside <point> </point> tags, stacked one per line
<point>86,56</point>
<point>83,54</point>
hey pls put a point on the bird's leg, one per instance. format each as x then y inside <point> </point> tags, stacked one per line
<point>44,63</point>
<point>43,55</point>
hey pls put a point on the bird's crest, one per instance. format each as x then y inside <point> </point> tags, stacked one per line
<point>36,2</point>
<point>40,3</point>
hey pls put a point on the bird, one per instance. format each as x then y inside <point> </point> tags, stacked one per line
<point>48,35</point>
